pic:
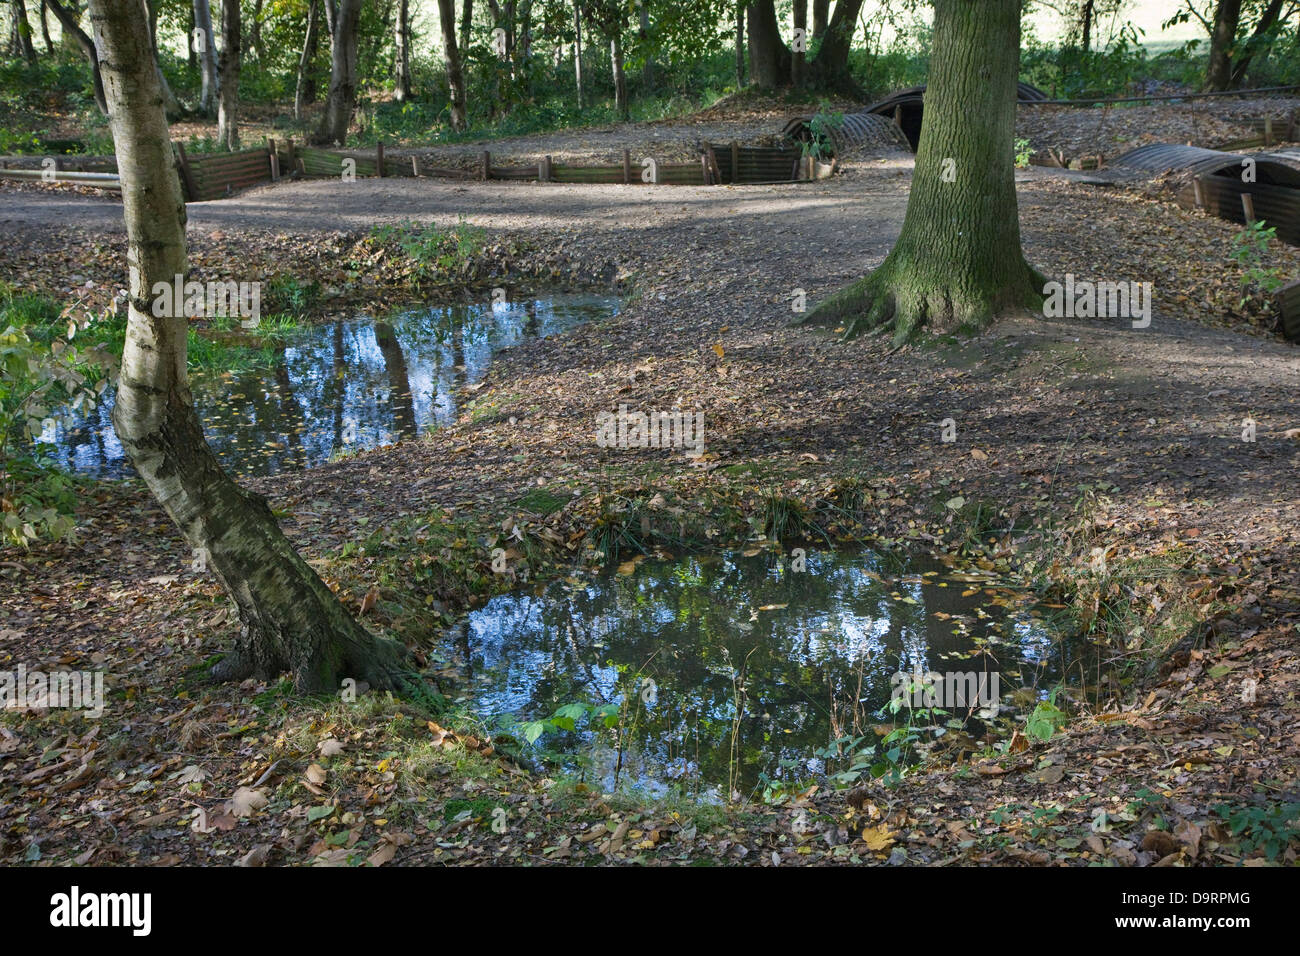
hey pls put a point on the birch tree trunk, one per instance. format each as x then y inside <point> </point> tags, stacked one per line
<point>72,31</point>
<point>207,57</point>
<point>957,261</point>
<point>292,621</point>
<point>305,89</point>
<point>228,101</point>
<point>740,44</point>
<point>577,48</point>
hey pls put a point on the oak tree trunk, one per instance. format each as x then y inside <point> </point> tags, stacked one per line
<point>769,57</point>
<point>45,31</point>
<point>22,35</point>
<point>402,53</point>
<point>466,24</point>
<point>1227,14</point>
<point>455,72</point>
<point>292,622</point>
<point>799,51</point>
<point>1259,41</point>
<point>957,261</point>
<point>342,97</point>
<point>228,101</point>
<point>620,80</point>
<point>830,68</point>
<point>643,38</point>
<point>821,14</point>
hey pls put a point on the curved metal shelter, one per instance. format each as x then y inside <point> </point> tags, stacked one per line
<point>858,129</point>
<point>907,107</point>
<point>1217,182</point>
<point>903,107</point>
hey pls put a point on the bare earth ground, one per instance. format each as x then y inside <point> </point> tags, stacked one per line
<point>1186,514</point>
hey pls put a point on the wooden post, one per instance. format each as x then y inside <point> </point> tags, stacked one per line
<point>704,167</point>
<point>290,154</point>
<point>415,167</point>
<point>274,157</point>
<point>1248,207</point>
<point>187,176</point>
<point>1196,191</point>
<point>544,169</point>
<point>379,158</point>
<point>735,161</point>
<point>485,166</point>
<point>898,116</point>
<point>712,158</point>
<point>627,167</point>
<point>1268,131</point>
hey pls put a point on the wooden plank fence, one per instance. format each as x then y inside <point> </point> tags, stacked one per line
<point>209,176</point>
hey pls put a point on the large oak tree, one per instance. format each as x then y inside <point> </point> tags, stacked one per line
<point>291,620</point>
<point>957,261</point>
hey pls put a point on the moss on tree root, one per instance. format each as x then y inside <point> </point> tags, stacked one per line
<point>890,300</point>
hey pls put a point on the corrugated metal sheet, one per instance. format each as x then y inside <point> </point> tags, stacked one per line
<point>1218,178</point>
<point>906,107</point>
<point>1163,157</point>
<point>1288,307</point>
<point>857,129</point>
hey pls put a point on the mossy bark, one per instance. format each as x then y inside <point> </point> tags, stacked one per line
<point>957,262</point>
<point>292,622</point>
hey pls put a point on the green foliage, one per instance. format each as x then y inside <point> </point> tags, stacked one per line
<point>1046,718</point>
<point>820,145</point>
<point>1249,250</point>
<point>434,250</point>
<point>1270,828</point>
<point>290,295</point>
<point>1023,153</point>
<point>35,377</point>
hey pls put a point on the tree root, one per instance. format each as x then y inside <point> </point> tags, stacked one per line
<point>885,302</point>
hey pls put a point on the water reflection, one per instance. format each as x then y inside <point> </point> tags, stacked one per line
<point>342,386</point>
<point>790,661</point>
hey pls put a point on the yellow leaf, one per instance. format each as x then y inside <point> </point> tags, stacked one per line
<point>877,838</point>
<point>718,348</point>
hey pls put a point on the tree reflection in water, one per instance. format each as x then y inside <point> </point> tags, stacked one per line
<point>817,663</point>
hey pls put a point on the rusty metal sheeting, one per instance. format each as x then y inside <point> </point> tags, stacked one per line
<point>901,115</point>
<point>1288,307</point>
<point>1215,181</point>
<point>1164,157</point>
<point>858,129</point>
<point>913,95</point>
